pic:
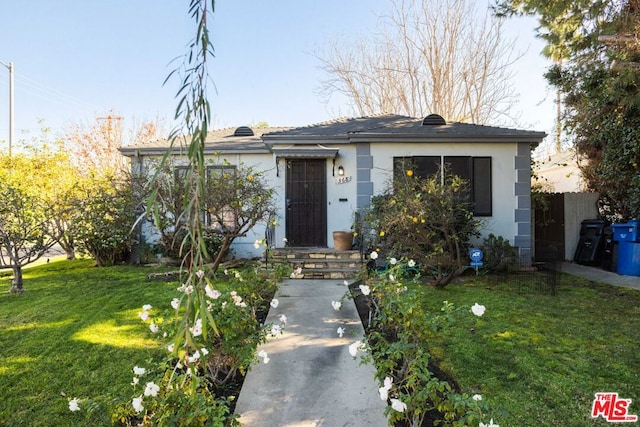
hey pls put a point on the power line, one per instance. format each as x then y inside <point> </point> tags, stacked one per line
<point>30,86</point>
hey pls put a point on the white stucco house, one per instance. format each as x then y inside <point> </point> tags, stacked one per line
<point>325,172</point>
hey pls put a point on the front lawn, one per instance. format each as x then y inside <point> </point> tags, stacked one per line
<point>74,332</point>
<point>536,359</point>
<point>539,359</point>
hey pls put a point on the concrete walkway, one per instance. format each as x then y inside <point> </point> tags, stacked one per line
<point>597,274</point>
<point>311,379</point>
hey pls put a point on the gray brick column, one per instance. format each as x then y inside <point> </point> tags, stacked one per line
<point>364,164</point>
<point>522,213</point>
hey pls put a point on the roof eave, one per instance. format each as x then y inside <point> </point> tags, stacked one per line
<point>160,151</point>
<point>534,138</point>
<point>271,140</point>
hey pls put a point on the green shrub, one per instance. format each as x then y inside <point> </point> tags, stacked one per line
<point>192,405</point>
<point>499,255</point>
<point>197,378</point>
<point>175,246</point>
<point>102,221</point>
<point>397,337</point>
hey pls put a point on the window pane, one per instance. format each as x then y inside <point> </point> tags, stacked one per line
<point>422,166</point>
<point>219,212</point>
<point>427,166</point>
<point>476,171</point>
<point>482,186</point>
<point>400,165</point>
<point>460,166</point>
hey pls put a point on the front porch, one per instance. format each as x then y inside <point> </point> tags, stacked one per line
<point>317,263</point>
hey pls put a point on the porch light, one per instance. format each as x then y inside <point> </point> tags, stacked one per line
<point>340,171</point>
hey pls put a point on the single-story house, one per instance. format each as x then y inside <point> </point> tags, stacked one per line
<point>324,173</point>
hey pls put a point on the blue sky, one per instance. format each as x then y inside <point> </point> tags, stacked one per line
<point>77,60</point>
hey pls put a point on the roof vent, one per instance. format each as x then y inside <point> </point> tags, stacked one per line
<point>243,131</point>
<point>433,120</point>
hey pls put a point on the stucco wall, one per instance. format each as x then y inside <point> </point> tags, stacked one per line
<point>368,168</point>
<point>560,173</point>
<point>341,192</point>
<point>503,176</point>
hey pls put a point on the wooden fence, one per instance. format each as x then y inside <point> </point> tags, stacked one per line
<point>557,226</point>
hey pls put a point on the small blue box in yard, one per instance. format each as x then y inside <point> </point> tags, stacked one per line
<point>627,231</point>
<point>629,258</point>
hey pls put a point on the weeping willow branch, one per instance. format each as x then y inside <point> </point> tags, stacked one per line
<point>193,113</point>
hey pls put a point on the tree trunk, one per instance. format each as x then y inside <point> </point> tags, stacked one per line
<point>66,243</point>
<point>224,249</point>
<point>16,283</point>
<point>71,253</point>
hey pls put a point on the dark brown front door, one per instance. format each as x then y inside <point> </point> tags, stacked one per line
<point>306,202</point>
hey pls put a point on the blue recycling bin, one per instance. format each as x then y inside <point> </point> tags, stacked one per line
<point>629,258</point>
<point>626,231</point>
<point>628,237</point>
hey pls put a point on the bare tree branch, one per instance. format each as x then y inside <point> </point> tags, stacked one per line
<point>430,56</point>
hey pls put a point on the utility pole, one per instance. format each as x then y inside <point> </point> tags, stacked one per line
<point>117,138</point>
<point>559,116</point>
<point>11,110</point>
<point>113,136</point>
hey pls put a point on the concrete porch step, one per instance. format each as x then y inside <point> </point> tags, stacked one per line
<point>330,273</point>
<point>317,263</point>
<point>314,253</point>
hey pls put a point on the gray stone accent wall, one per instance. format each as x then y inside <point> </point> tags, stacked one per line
<point>364,164</point>
<point>522,191</point>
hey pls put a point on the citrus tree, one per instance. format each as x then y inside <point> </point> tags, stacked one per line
<point>423,220</point>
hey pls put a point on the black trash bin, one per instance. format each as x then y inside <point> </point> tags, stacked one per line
<point>591,244</point>
<point>610,251</point>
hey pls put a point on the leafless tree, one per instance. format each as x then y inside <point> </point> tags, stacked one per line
<point>431,56</point>
<point>94,145</point>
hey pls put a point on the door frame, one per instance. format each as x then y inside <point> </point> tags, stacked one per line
<point>318,237</point>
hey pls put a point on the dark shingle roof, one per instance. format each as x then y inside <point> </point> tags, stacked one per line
<point>386,128</point>
<point>221,140</point>
<point>340,128</point>
<point>390,128</point>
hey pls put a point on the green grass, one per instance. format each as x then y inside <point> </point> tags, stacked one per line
<point>539,359</point>
<point>74,332</point>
